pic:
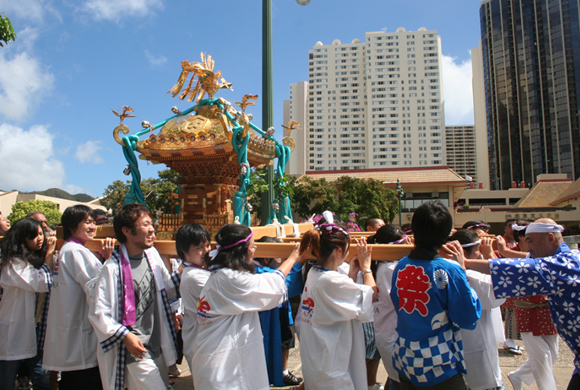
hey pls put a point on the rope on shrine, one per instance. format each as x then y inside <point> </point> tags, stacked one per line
<point>240,146</point>
<point>283,155</point>
<point>135,194</point>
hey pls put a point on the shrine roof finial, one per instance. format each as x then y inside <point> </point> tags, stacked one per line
<point>208,81</point>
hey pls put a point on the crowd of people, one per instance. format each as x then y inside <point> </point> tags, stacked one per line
<point>122,317</point>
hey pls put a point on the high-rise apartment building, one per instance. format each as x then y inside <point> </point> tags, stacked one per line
<point>460,145</point>
<point>295,109</point>
<point>376,104</point>
<point>480,116</point>
<point>531,61</point>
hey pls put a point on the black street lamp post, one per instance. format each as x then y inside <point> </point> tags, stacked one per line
<point>268,97</point>
<point>400,194</point>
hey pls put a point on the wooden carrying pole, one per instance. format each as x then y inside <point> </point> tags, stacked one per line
<point>105,231</point>
<point>274,250</point>
<point>264,250</point>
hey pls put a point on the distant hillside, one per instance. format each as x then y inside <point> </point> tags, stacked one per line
<point>62,194</point>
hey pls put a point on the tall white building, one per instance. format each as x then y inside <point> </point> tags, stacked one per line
<point>296,109</point>
<point>480,116</point>
<point>376,104</point>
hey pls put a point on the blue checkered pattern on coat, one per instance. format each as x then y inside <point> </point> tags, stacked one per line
<point>423,359</point>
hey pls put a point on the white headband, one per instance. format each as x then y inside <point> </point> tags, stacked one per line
<point>519,228</point>
<point>474,243</point>
<point>544,228</point>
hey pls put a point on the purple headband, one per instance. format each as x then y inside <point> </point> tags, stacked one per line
<point>408,231</point>
<point>329,226</point>
<point>479,225</point>
<point>218,248</point>
<point>398,241</point>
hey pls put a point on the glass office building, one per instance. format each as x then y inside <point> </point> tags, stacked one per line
<point>531,62</point>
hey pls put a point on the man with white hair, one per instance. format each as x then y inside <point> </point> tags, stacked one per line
<point>552,270</point>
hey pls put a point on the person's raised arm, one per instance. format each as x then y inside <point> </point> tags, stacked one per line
<point>294,257</point>
<point>364,253</point>
<point>478,265</point>
<point>107,247</point>
<point>505,252</point>
<point>453,250</point>
<point>486,248</point>
<point>51,247</point>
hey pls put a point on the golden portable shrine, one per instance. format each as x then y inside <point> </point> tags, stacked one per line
<point>213,147</point>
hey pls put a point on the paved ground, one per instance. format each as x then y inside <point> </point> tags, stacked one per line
<point>508,362</point>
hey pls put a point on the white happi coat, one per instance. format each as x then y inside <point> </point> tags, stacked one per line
<point>192,282</point>
<point>105,314</point>
<point>480,344</point>
<point>386,317</point>
<point>332,343</point>
<point>71,343</point>
<point>21,281</point>
<point>229,351</point>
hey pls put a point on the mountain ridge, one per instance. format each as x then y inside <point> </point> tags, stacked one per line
<point>61,194</point>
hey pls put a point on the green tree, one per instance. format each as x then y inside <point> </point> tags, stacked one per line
<point>155,190</point>
<point>312,196</point>
<point>6,30</point>
<point>348,189</point>
<point>48,208</point>
<point>114,197</point>
<point>257,186</point>
<point>367,198</point>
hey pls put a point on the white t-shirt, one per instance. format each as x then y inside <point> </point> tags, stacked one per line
<point>332,345</point>
<point>480,344</point>
<point>228,350</point>
<point>386,317</point>
<point>192,282</point>
<point>20,281</point>
<point>71,343</point>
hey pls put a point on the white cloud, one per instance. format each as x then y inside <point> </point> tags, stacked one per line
<point>457,92</point>
<point>25,40</point>
<point>30,10</point>
<point>115,10</point>
<point>25,9</point>
<point>155,61</point>
<point>23,79</point>
<point>73,190</point>
<point>28,159</point>
<point>89,152</point>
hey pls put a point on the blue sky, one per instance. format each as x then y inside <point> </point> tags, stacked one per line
<point>74,61</point>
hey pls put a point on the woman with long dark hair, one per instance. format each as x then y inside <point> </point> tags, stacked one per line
<point>332,344</point>
<point>25,271</point>
<point>278,323</point>
<point>71,343</point>
<point>228,351</point>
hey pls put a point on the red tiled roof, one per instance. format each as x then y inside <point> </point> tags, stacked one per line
<point>543,193</point>
<point>435,175</point>
<point>572,191</point>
